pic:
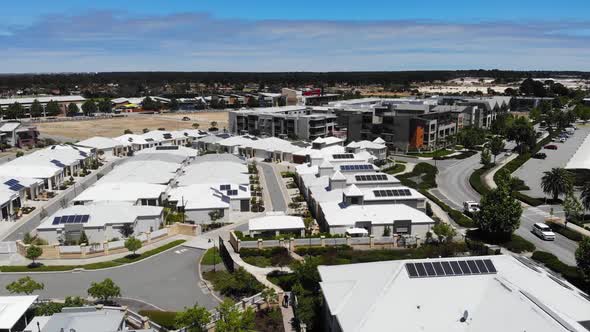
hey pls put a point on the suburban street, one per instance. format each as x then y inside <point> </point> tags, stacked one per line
<point>169,281</point>
<point>454,189</point>
<point>274,187</point>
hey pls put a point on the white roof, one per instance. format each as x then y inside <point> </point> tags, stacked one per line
<point>12,308</point>
<point>42,99</point>
<point>306,169</point>
<point>214,172</point>
<point>381,295</point>
<point>101,143</point>
<point>355,230</point>
<point>366,145</point>
<point>581,159</point>
<point>326,164</point>
<point>120,192</point>
<point>379,140</point>
<point>132,139</point>
<point>338,176</point>
<point>142,171</point>
<point>157,136</point>
<point>328,140</point>
<point>270,144</point>
<point>9,126</point>
<point>181,151</point>
<point>207,196</point>
<point>353,190</point>
<point>275,222</point>
<point>378,214</point>
<point>39,163</point>
<point>101,214</point>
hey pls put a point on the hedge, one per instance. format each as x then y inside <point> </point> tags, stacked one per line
<point>476,181</point>
<point>568,272</point>
<point>572,235</point>
<point>513,243</point>
<point>457,216</point>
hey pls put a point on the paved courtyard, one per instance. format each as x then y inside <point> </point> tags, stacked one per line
<point>532,171</point>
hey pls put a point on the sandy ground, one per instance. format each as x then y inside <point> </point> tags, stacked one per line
<point>79,130</point>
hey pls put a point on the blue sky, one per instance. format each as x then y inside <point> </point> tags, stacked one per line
<point>202,35</point>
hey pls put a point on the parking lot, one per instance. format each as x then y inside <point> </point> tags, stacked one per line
<point>532,171</point>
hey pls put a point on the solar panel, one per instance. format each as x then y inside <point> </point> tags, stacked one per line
<point>83,154</point>
<point>56,221</point>
<point>149,139</point>
<point>11,182</point>
<point>167,147</point>
<point>78,219</point>
<point>167,136</point>
<point>450,268</point>
<point>57,163</point>
<point>225,187</point>
<point>343,156</point>
<point>232,192</point>
<point>16,187</point>
<point>85,218</point>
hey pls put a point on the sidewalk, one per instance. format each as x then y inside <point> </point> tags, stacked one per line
<point>258,272</point>
<point>489,176</point>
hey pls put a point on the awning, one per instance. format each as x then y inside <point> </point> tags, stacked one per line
<point>355,231</point>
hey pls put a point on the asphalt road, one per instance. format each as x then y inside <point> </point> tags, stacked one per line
<point>454,189</point>
<point>273,187</point>
<point>169,281</point>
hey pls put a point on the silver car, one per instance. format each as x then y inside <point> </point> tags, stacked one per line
<point>543,231</point>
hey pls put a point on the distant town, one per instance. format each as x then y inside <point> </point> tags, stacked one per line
<point>410,201</point>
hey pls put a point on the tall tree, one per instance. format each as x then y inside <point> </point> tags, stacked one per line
<point>585,195</point>
<point>25,285</point>
<point>73,109</point>
<point>496,146</point>
<point>572,207</point>
<point>499,213</point>
<point>89,107</point>
<point>105,106</point>
<point>557,182</point>
<point>52,108</point>
<point>583,256</point>
<point>34,252</point>
<point>194,319</point>
<point>14,111</point>
<point>133,244</point>
<point>521,132</point>
<point>36,109</point>
<point>486,158</point>
<point>444,231</point>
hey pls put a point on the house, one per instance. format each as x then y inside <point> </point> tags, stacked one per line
<point>136,170</point>
<point>132,193</point>
<point>137,142</point>
<point>99,221</point>
<point>207,171</point>
<point>275,225</point>
<point>104,146</point>
<point>377,150</point>
<point>484,294</point>
<point>13,311</point>
<point>19,135</point>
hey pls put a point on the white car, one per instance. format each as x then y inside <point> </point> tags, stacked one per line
<point>471,206</point>
<point>562,140</point>
<point>543,231</point>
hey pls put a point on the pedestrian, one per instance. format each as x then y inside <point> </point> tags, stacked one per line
<point>286,301</point>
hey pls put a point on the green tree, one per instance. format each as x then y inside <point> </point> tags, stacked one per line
<point>500,213</point>
<point>572,207</point>
<point>387,231</point>
<point>535,114</point>
<point>126,230</point>
<point>52,108</point>
<point>173,104</point>
<point>269,295</point>
<point>521,132</point>
<point>73,109</point>
<point>496,146</point>
<point>149,104</point>
<point>505,179</point>
<point>428,210</point>
<point>556,182</point>
<point>105,106</point>
<point>104,291</point>
<point>196,125</point>
<point>583,256</point>
<point>195,319</point>
<point>50,308</point>
<point>33,252</point>
<point>127,131</point>
<point>24,285</point>
<point>89,107</point>
<point>444,231</point>
<point>486,158</point>
<point>133,244</point>
<point>585,195</point>
<point>14,111</point>
<point>232,319</point>
<point>36,109</point>
<point>213,125</point>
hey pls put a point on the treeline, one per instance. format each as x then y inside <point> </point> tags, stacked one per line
<point>19,81</point>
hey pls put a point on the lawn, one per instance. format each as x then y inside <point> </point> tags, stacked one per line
<point>211,257</point>
<point>397,168</point>
<point>432,154</point>
<point>426,174</point>
<point>92,266</point>
<point>277,256</point>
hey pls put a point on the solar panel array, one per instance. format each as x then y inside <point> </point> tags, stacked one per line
<point>450,268</point>
<point>343,156</point>
<point>14,185</point>
<point>83,154</point>
<point>371,177</point>
<point>57,163</point>
<point>167,147</point>
<point>225,187</point>
<point>392,193</point>
<point>75,219</point>
<point>149,139</point>
<point>356,167</point>
<point>167,136</point>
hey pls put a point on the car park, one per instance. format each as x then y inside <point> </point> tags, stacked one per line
<point>540,155</point>
<point>551,147</point>
<point>543,231</point>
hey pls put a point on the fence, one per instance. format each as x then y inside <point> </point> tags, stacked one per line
<point>395,241</point>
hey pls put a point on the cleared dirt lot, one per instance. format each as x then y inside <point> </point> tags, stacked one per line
<point>79,130</point>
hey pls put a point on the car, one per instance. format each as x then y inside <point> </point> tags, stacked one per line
<point>470,206</point>
<point>186,118</point>
<point>508,153</point>
<point>540,155</point>
<point>562,140</point>
<point>550,147</point>
<point>543,231</point>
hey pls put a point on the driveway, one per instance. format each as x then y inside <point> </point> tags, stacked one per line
<point>532,171</point>
<point>273,185</point>
<point>169,281</point>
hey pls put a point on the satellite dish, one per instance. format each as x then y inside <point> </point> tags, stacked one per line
<point>465,316</point>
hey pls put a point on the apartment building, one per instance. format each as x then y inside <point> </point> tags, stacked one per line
<point>285,122</point>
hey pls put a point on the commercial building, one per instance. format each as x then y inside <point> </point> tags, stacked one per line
<point>26,102</point>
<point>99,221</point>
<point>285,122</point>
<point>488,293</point>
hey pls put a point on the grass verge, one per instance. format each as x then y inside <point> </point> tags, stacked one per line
<point>166,319</point>
<point>397,168</point>
<point>92,266</point>
<point>211,257</point>
<point>427,174</point>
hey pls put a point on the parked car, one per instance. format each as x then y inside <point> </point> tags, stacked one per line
<point>551,147</point>
<point>562,140</point>
<point>540,155</point>
<point>470,206</point>
<point>543,231</point>
<point>186,118</point>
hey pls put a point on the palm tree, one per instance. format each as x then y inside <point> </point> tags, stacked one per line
<point>585,195</point>
<point>556,182</point>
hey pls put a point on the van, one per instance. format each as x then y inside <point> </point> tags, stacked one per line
<point>543,231</point>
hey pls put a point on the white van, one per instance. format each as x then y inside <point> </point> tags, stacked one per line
<point>543,231</point>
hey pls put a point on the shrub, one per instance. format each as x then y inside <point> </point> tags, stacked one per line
<point>427,174</point>
<point>397,168</point>
<point>166,319</point>
<point>461,219</point>
<point>511,242</point>
<point>572,235</point>
<point>236,285</point>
